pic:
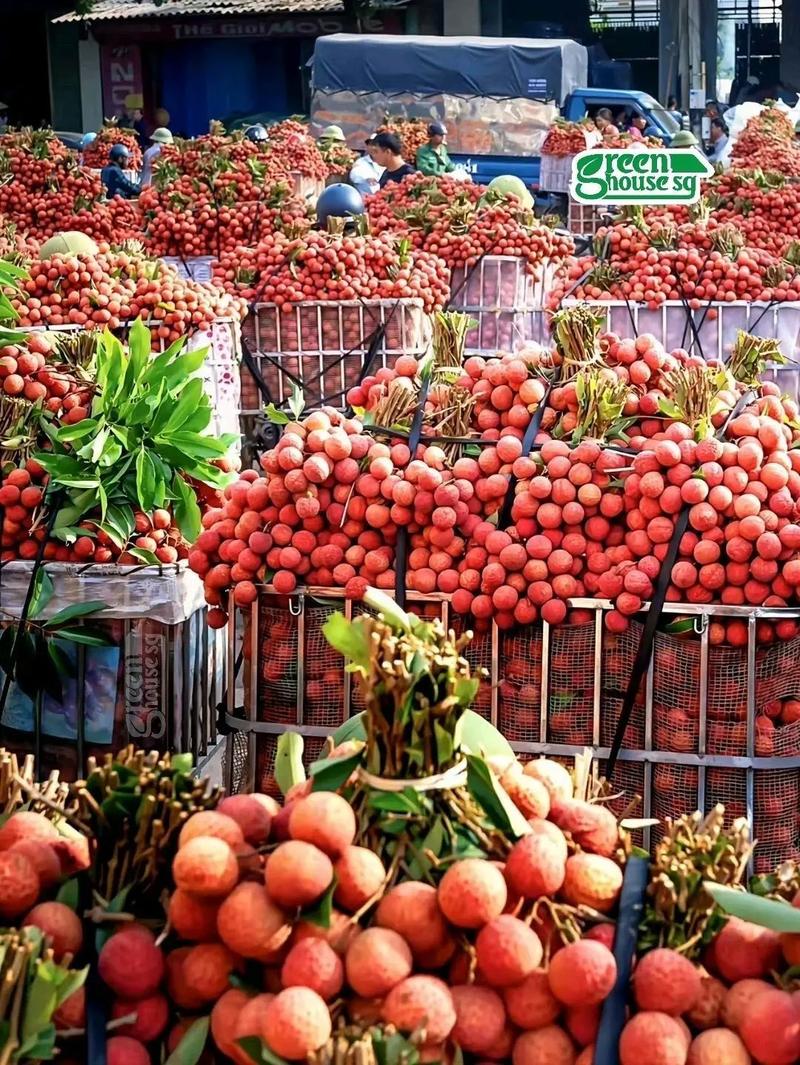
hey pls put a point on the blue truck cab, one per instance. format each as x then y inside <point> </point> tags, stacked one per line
<point>497,96</point>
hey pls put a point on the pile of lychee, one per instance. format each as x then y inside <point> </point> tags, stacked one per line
<point>469,958</point>
<point>737,1009</point>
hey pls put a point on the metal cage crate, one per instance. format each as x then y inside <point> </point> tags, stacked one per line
<point>505,300</point>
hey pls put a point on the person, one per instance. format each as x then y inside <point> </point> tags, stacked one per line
<point>432,158</point>
<point>161,117</point>
<point>603,121</point>
<point>389,155</point>
<point>86,140</point>
<point>637,126</point>
<point>674,110</point>
<point>113,177</point>
<point>159,138</point>
<point>712,109</point>
<point>719,140</point>
<point>365,174</point>
<point>256,134</point>
<point>684,138</point>
<point>3,117</point>
<point>331,135</point>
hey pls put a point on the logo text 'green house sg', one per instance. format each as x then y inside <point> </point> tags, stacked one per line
<point>641,176</point>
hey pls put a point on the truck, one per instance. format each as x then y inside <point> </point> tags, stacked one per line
<point>497,96</point>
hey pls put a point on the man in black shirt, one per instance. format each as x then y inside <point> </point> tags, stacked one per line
<point>388,154</point>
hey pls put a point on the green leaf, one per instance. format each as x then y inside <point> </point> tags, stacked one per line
<point>116,905</point>
<point>187,512</point>
<point>329,774</point>
<point>489,793</point>
<point>43,590</point>
<point>185,407</point>
<point>397,802</point>
<point>320,913</point>
<point>40,1002</point>
<point>277,417</point>
<point>289,761</point>
<point>388,609</point>
<point>444,744</point>
<point>258,1051</point>
<point>191,1047</point>
<point>352,729</point>
<point>89,637</point>
<point>145,480</point>
<point>297,402</point>
<point>349,638</point>
<point>768,913</point>
<point>75,610</point>
<point>69,894</point>
<point>71,433</point>
<point>476,735</point>
<point>148,558</point>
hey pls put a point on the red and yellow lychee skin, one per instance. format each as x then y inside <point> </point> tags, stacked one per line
<point>770,1028</point>
<point>214,824</point>
<point>412,910</point>
<point>377,961</point>
<point>177,990</point>
<point>653,1038</point>
<point>359,877</point>
<point>707,1010</point>
<point>324,819</point>
<point>152,1017</point>
<point>207,969</point>
<point>296,1023</point>
<point>250,1022</point>
<point>537,863</point>
<point>480,1018</point>
<point>250,924</point>
<point>529,795</point>
<point>592,880</point>
<point>472,892</point>
<point>544,1046</point>
<point>737,998</point>
<point>507,951</point>
<point>593,827</point>
<point>555,777</point>
<point>718,1046</point>
<point>131,965</point>
<point>312,963</point>
<point>60,924</point>
<point>583,973</point>
<point>224,1016</point>
<point>586,1056</point>
<point>206,866</point>
<point>421,1003</point>
<point>19,885</point>
<point>26,825</point>
<point>746,951</point>
<point>339,934</point>
<point>43,858</point>
<point>193,918</point>
<point>253,814</point>
<point>531,1004</point>
<point>666,982</point>
<point>122,1050</point>
<point>297,873</point>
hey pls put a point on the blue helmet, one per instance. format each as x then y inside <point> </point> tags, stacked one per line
<point>87,139</point>
<point>338,201</point>
<point>119,153</point>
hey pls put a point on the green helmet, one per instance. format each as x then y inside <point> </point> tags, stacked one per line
<point>684,138</point>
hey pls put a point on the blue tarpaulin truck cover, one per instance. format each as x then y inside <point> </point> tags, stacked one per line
<point>521,68</point>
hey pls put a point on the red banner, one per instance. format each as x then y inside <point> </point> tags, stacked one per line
<point>121,67</point>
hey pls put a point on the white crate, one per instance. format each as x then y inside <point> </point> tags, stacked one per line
<point>193,268</point>
<point>307,187</point>
<point>506,302</point>
<point>555,173</point>
<point>323,346</point>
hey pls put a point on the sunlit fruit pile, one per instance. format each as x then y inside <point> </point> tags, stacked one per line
<point>338,158</point>
<point>413,133</point>
<point>461,223</point>
<point>96,154</point>
<point>768,143</point>
<point>567,138</point>
<point>695,262</point>
<point>286,269</point>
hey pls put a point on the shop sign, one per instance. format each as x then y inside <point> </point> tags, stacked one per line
<point>121,71</point>
<point>648,176</point>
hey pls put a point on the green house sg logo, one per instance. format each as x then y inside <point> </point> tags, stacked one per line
<point>645,176</point>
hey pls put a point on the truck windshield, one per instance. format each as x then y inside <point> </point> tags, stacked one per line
<point>663,117</point>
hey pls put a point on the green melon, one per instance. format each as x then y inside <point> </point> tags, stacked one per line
<point>510,185</point>
<point>68,244</point>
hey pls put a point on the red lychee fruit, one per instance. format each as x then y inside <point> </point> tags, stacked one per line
<point>326,820</point>
<point>43,858</point>
<point>655,1038</point>
<point>297,873</point>
<point>592,880</point>
<point>312,963</point>
<point>529,795</point>
<point>583,1023</point>
<point>531,1004</point>
<point>770,1028</point>
<point>555,777</point>
<point>746,951</point>
<point>122,1050</point>
<point>253,814</point>
<point>718,1046</point>
<point>177,990</point>
<point>603,933</point>
<point>377,961</point>
<point>61,924</point>
<point>250,1022</point>
<point>296,1023</point>
<point>131,965</point>
<point>73,853</point>
<point>480,1018</point>
<point>206,866</point>
<point>412,910</point>
<point>193,918</point>
<point>339,934</point>
<point>594,828</point>
<point>507,951</point>
<point>151,1017</point>
<point>537,863</point>
<point>26,825</point>
<point>359,877</point>
<point>19,884</point>
<point>583,973</point>
<point>707,1010</point>
<point>666,982</point>
<point>472,892</point>
<point>214,824</point>
<point>421,1003</point>
<point>224,1016</point>
<point>544,1046</point>
<point>586,1056</point>
<point>72,1011</point>
<point>207,969</point>
<point>250,924</point>
<point>738,997</point>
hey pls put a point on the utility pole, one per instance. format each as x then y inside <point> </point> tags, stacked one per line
<point>690,64</point>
